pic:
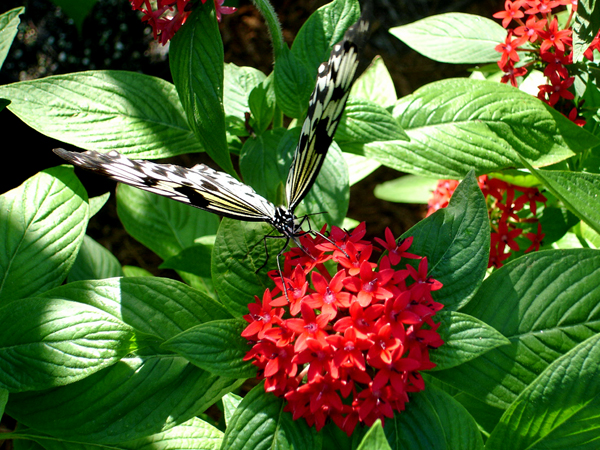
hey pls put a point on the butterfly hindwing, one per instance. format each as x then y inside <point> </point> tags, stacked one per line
<point>325,108</point>
<point>200,186</point>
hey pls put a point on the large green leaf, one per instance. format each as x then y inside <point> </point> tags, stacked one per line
<point>433,420</point>
<point>238,263</point>
<point>193,434</point>
<point>153,306</point>
<point>216,346</point>
<point>323,29</point>
<point>136,114</point>
<point>375,84</point>
<point>585,26</point>
<point>577,190</point>
<point>94,262</point>
<point>42,223</point>
<point>545,303</point>
<point>456,241</point>
<point>259,423</point>
<point>460,124</point>
<point>560,409</point>
<point>365,121</point>
<point>49,342</point>
<point>9,21</point>
<point>148,392</point>
<point>454,38</point>
<point>132,399</point>
<point>196,61</point>
<point>465,338</point>
<point>164,226</point>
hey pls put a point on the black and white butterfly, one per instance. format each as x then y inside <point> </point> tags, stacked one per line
<point>219,192</point>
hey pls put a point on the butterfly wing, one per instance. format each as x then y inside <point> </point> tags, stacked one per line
<point>327,102</point>
<point>200,186</point>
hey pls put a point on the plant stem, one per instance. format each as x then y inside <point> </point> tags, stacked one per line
<point>266,9</point>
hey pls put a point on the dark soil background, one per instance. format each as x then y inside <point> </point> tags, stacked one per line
<point>113,37</point>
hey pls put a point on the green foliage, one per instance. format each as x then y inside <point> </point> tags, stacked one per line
<point>97,355</point>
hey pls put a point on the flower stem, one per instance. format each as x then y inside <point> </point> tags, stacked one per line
<point>266,9</point>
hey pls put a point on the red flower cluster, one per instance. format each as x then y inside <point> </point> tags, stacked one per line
<point>170,15</point>
<point>347,346</point>
<point>506,208</point>
<point>539,35</point>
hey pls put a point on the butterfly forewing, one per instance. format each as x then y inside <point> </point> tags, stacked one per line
<point>200,186</point>
<point>325,108</point>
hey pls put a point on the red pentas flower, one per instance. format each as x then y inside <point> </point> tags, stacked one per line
<point>348,345</point>
<point>167,17</point>
<point>546,45</point>
<point>513,212</point>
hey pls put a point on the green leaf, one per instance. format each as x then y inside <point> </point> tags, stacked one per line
<point>3,400</point>
<point>138,115</point>
<point>94,262</point>
<point>261,163</point>
<point>77,10</point>
<point>453,38</point>
<point>262,107</point>
<point>217,347</point>
<point>42,222</point>
<point>293,84</point>
<point>96,203</point>
<point>555,223</point>
<point>545,303</point>
<point>560,408</point>
<point>577,190</point>
<point>374,439</point>
<point>375,84</point>
<point>164,226</point>
<point>230,404</point>
<point>196,61</point>
<point>52,342</point>
<point>323,29</point>
<point>238,254</point>
<point>364,121</point>
<point>406,189</point>
<point>460,124</point>
<point>193,264</point>
<point>456,241</point>
<point>465,338</point>
<point>193,434</point>
<point>259,423</point>
<point>153,306</point>
<point>238,83</point>
<point>329,198</point>
<point>586,23</point>
<point>359,167</point>
<point>132,271</point>
<point>432,419</point>
<point>130,400</point>
<point>9,22</point>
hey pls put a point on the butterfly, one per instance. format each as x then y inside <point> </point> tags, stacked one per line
<point>219,192</point>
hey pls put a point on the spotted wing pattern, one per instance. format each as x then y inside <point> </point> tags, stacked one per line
<point>200,186</point>
<point>327,103</point>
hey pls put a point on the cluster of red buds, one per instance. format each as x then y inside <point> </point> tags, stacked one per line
<point>169,15</point>
<point>537,33</point>
<point>513,212</point>
<point>346,343</point>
